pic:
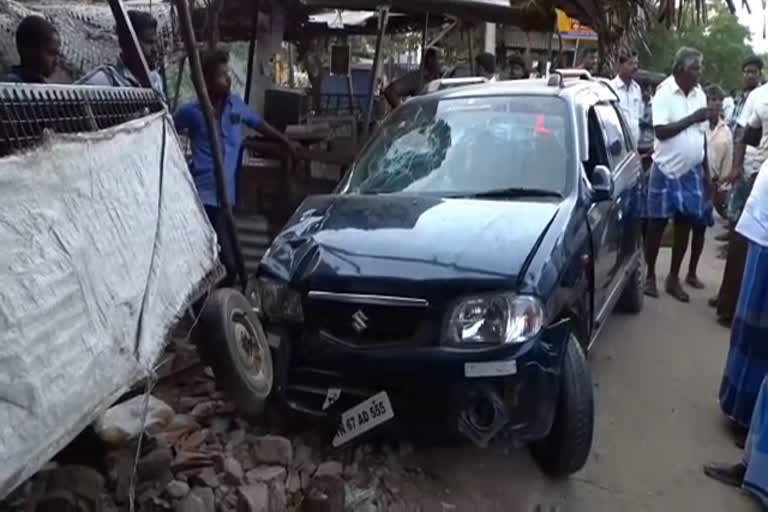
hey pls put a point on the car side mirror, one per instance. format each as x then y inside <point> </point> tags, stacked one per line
<point>602,184</point>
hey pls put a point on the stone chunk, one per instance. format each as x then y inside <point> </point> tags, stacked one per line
<point>266,474</point>
<point>233,471</point>
<point>273,450</point>
<point>177,489</point>
<point>253,498</point>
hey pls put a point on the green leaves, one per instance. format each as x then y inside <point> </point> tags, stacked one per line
<point>723,41</point>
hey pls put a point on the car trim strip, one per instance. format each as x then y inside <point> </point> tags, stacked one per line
<point>376,300</point>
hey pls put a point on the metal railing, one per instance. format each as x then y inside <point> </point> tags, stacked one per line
<point>27,110</point>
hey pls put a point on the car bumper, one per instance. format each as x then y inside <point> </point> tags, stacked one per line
<point>480,393</point>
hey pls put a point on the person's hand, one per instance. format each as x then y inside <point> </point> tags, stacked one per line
<point>295,148</point>
<point>701,115</point>
<point>732,178</point>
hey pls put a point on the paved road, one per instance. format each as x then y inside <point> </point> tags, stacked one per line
<point>656,378</point>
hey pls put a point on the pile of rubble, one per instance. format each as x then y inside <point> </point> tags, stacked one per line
<point>198,455</point>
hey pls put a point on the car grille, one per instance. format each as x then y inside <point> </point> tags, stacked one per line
<point>362,323</point>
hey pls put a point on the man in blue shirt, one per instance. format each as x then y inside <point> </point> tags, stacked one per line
<point>231,113</point>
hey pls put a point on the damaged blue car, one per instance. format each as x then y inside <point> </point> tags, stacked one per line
<point>463,268</point>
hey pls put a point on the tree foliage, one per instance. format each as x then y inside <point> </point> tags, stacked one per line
<point>722,39</point>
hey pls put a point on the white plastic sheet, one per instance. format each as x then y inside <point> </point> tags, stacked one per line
<point>98,259</point>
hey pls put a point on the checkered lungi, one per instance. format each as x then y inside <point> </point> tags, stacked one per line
<point>668,196</point>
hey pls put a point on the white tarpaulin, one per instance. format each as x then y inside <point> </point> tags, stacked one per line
<point>101,251</point>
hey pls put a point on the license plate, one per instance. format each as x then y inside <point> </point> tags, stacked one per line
<point>490,369</point>
<point>363,417</point>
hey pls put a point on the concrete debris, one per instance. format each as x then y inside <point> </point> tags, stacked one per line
<point>233,471</point>
<point>204,410</point>
<point>123,422</point>
<point>329,468</point>
<point>272,450</point>
<point>235,439</point>
<point>253,498</point>
<point>177,489</point>
<point>266,474</point>
<point>155,465</point>
<point>207,459</point>
<point>325,494</point>
<point>293,482</point>
<point>191,503</point>
<point>205,494</point>
<point>207,477</point>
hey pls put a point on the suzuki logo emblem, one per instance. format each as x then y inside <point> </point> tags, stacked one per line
<point>359,321</point>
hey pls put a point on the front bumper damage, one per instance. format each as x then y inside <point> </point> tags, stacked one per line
<point>483,393</point>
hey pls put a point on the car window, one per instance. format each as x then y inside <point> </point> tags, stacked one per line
<point>466,145</point>
<point>613,134</point>
<point>597,152</point>
<point>629,142</point>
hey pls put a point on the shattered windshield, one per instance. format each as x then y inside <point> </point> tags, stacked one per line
<point>464,146</point>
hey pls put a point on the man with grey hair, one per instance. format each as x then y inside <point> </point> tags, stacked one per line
<point>678,185</point>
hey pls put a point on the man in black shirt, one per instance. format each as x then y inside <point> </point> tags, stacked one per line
<point>38,45</point>
<point>413,83</point>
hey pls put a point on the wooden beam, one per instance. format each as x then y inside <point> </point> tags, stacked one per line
<point>125,32</point>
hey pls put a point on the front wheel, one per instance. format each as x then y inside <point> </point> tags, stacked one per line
<point>566,449</point>
<point>233,343</point>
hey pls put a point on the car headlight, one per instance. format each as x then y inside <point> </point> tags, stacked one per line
<point>279,301</point>
<point>495,318</point>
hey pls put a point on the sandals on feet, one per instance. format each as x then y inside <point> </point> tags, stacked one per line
<point>650,288</point>
<point>728,474</point>
<point>674,288</point>
<point>695,282</point>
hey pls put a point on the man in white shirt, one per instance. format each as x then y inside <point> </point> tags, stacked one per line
<point>679,178</point>
<point>630,93</point>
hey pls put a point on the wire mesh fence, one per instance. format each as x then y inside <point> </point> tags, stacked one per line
<point>27,111</point>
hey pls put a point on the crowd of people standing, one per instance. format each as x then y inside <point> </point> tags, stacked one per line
<point>702,149</point>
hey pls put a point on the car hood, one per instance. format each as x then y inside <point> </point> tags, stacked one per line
<point>408,245</point>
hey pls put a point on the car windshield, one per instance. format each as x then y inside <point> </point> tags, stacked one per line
<point>468,146</point>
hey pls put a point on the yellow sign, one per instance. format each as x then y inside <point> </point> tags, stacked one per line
<point>570,28</point>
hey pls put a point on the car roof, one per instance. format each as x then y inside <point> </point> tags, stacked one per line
<point>570,89</point>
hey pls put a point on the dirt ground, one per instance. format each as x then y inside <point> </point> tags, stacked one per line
<point>656,380</point>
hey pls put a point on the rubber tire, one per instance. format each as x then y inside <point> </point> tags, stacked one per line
<point>632,298</point>
<point>219,348</point>
<point>566,448</point>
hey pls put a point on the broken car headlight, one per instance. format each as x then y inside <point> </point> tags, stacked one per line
<point>495,318</point>
<point>279,301</point>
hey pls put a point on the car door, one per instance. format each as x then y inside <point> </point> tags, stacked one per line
<point>627,169</point>
<point>617,233</point>
<point>603,217</point>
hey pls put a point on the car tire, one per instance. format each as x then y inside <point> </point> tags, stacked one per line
<point>566,448</point>
<point>632,298</point>
<point>232,341</point>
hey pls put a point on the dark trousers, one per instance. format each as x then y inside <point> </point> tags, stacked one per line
<point>226,251</point>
